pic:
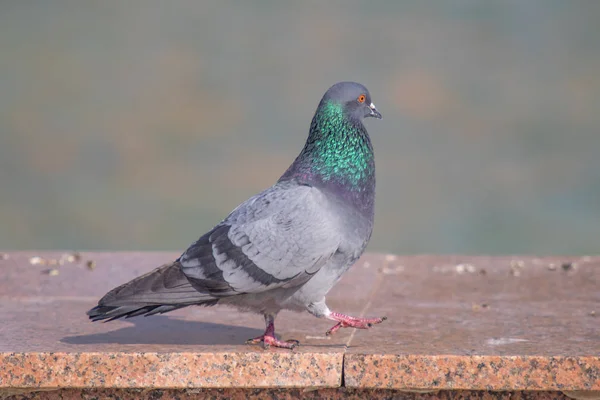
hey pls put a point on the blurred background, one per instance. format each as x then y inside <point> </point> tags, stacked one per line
<point>139,125</point>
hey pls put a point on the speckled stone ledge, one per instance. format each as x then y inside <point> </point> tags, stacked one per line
<point>454,323</point>
<point>170,370</point>
<point>280,394</point>
<point>472,373</point>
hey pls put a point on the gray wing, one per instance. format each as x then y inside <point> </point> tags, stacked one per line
<point>279,238</point>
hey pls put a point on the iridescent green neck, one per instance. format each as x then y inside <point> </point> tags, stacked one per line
<point>338,151</point>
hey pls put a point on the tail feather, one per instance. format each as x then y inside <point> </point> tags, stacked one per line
<point>162,290</point>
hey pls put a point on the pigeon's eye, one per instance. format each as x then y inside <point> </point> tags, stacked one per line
<point>361,98</point>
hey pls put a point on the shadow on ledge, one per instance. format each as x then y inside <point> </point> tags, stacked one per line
<point>165,330</point>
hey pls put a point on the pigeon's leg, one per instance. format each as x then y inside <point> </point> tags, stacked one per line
<point>268,339</point>
<point>346,321</point>
<point>320,309</point>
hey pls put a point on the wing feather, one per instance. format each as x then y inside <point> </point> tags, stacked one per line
<point>279,238</point>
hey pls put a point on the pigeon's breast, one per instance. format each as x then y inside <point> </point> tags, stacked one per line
<point>355,225</point>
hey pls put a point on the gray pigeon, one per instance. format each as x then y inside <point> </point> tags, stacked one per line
<point>286,247</point>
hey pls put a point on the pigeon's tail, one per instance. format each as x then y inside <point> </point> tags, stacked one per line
<point>162,290</point>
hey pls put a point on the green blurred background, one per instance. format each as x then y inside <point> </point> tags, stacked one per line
<point>140,124</point>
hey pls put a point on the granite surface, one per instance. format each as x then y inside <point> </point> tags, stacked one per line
<point>454,323</point>
<point>278,394</point>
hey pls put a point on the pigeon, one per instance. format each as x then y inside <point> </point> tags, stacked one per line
<point>286,247</point>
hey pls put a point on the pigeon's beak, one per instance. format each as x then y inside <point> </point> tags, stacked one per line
<point>374,113</point>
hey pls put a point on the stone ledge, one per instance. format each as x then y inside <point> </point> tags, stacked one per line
<point>468,323</point>
<point>285,394</point>
<point>171,370</point>
<point>502,373</point>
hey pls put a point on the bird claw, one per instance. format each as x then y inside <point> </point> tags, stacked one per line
<point>345,321</point>
<point>255,340</point>
<point>333,329</point>
<point>269,341</point>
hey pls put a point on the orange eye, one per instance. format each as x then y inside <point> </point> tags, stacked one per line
<point>361,98</point>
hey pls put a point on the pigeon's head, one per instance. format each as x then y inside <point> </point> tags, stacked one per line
<point>354,98</point>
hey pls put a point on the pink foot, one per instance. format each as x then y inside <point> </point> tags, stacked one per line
<point>346,321</point>
<point>268,339</point>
